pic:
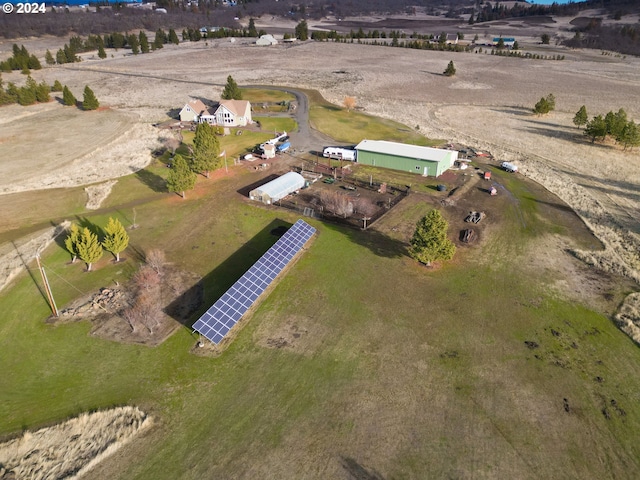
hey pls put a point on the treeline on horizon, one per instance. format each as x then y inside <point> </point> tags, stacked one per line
<point>180,15</point>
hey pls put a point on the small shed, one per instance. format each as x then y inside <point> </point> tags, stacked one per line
<point>279,188</point>
<point>268,150</point>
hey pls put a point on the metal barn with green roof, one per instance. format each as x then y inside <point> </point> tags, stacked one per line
<point>425,161</point>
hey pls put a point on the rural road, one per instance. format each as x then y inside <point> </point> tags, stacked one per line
<point>306,138</point>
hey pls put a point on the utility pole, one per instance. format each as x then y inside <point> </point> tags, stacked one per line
<point>47,288</point>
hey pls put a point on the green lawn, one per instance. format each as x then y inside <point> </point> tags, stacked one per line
<point>398,369</point>
<point>277,124</point>
<point>258,95</point>
<point>353,126</point>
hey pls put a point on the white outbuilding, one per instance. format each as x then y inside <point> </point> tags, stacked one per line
<point>277,189</point>
<point>266,40</point>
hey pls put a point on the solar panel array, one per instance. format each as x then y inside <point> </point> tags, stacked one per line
<point>227,311</point>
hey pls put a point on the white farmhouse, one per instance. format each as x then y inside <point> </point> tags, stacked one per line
<point>192,111</point>
<point>233,113</point>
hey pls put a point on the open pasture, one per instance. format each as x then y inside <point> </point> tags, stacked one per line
<point>361,363</point>
<point>359,360</point>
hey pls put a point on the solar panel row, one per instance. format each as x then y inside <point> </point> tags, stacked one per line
<point>234,303</point>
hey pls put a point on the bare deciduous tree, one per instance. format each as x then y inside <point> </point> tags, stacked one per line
<point>171,143</point>
<point>337,203</point>
<point>365,206</point>
<point>145,309</point>
<point>146,279</point>
<point>155,259</point>
<point>349,103</point>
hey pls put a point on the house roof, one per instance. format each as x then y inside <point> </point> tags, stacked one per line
<point>405,150</point>
<point>237,107</point>
<point>504,39</point>
<point>197,106</point>
<point>452,36</point>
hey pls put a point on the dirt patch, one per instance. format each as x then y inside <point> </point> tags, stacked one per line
<point>96,194</point>
<point>296,333</point>
<point>181,291</point>
<point>72,448</point>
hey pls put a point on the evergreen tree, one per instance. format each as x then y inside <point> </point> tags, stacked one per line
<point>581,117</point>
<point>500,45</point>
<point>144,42</point>
<point>451,69</point>
<point>180,178</point>
<point>5,98</point>
<point>26,96</point>
<point>101,53</point>
<point>551,101</point>
<point>69,54</point>
<point>89,100</point>
<point>430,242</point>
<point>173,37</point>
<point>545,38</point>
<point>116,238</point>
<point>72,240</point>
<point>545,105</point>
<point>67,97</point>
<point>515,46</point>
<point>57,86</point>
<point>596,128</point>
<point>12,93</point>
<point>133,42</point>
<point>34,63</point>
<point>89,248</point>
<point>49,58</point>
<point>61,58</point>
<point>231,90</point>
<point>615,122</point>
<point>206,150</point>
<point>302,31</point>
<point>42,92</point>
<point>253,32</point>
<point>629,135</point>
<point>118,40</point>
<point>160,40</point>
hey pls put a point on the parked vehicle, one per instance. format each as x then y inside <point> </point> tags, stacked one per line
<point>509,167</point>
<point>339,153</point>
<point>283,147</point>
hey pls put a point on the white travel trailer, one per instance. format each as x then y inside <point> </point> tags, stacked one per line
<point>339,153</point>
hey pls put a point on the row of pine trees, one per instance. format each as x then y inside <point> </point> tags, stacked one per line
<point>84,244</point>
<point>614,124</point>
<point>33,92</point>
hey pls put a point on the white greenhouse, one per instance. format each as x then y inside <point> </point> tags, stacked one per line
<point>278,188</point>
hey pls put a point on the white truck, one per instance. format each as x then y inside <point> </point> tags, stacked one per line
<point>339,153</point>
<point>509,167</point>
